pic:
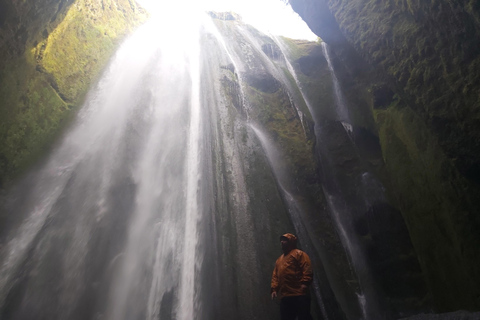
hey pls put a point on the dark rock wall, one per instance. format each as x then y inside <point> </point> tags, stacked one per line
<point>352,164</point>
<point>23,22</point>
<point>431,50</point>
<point>421,66</point>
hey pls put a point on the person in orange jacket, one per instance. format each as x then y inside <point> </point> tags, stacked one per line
<point>291,279</point>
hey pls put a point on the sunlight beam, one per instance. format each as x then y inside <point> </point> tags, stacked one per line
<point>269,16</point>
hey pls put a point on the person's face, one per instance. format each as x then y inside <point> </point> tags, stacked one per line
<point>285,244</point>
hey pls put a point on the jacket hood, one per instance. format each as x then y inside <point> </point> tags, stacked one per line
<point>292,239</point>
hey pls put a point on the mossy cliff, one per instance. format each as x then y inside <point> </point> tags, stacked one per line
<point>421,66</point>
<point>51,52</point>
<point>351,166</point>
<point>262,92</point>
<point>284,89</point>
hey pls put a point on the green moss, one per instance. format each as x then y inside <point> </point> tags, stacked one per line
<point>298,96</point>
<point>429,190</point>
<point>276,114</point>
<point>299,48</point>
<point>41,88</point>
<point>317,84</point>
<point>78,49</point>
<point>429,53</point>
<point>33,114</point>
<point>269,105</point>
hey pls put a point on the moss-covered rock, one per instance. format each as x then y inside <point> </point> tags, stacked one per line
<point>436,202</point>
<point>351,162</point>
<point>33,112</point>
<point>421,66</point>
<point>50,59</point>
<point>266,94</point>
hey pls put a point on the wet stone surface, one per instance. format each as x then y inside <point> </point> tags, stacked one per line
<point>457,315</point>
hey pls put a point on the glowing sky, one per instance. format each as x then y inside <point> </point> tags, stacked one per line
<point>272,16</point>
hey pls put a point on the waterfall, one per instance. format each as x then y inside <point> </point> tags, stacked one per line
<point>342,212</point>
<point>130,165</point>
<point>165,198</point>
<point>145,209</point>
<point>274,156</point>
<point>341,107</point>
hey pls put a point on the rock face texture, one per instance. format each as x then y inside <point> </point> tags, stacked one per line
<point>329,165</point>
<point>421,66</point>
<point>51,51</point>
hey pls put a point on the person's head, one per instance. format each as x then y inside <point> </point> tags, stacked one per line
<point>289,242</point>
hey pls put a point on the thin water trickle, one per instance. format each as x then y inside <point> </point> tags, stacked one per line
<point>238,65</point>
<point>274,157</point>
<point>363,304</point>
<point>341,107</point>
<point>339,209</point>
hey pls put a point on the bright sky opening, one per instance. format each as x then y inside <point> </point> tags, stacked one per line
<point>269,16</point>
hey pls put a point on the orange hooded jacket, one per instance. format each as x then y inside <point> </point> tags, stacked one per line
<point>291,271</point>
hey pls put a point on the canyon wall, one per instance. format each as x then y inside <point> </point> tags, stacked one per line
<point>420,64</point>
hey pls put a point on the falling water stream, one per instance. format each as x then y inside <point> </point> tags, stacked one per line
<point>294,209</point>
<point>130,165</point>
<point>339,209</point>
<point>341,107</point>
<point>344,213</point>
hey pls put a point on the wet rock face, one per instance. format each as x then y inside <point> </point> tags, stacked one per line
<point>382,96</point>
<point>24,22</point>
<point>311,65</point>
<point>392,258</point>
<point>423,66</point>
<point>429,53</point>
<point>272,51</point>
<point>263,82</point>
